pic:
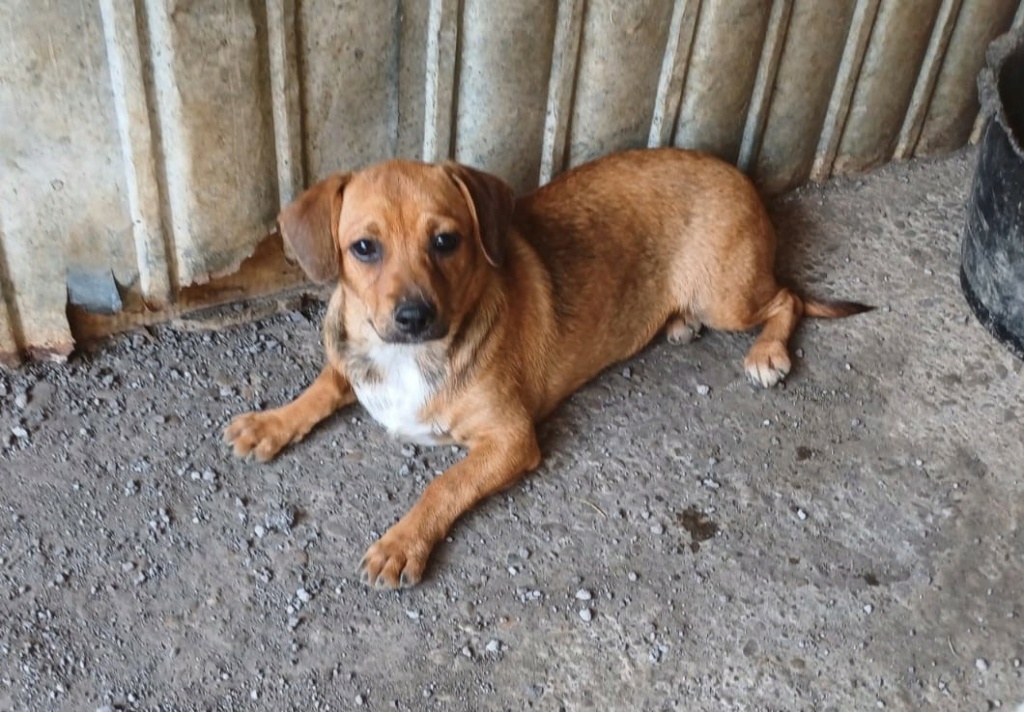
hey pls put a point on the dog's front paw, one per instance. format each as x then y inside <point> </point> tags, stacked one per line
<point>397,559</point>
<point>262,434</point>
<point>767,363</point>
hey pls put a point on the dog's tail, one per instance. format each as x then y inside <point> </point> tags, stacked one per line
<point>833,309</point>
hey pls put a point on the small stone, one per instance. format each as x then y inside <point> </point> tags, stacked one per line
<point>260,531</point>
<point>408,450</point>
<point>583,595</point>
<point>412,614</point>
<point>19,432</point>
<point>524,554</point>
<point>20,401</point>
<point>303,595</point>
<point>981,664</point>
<point>493,647</point>
<point>632,576</point>
<point>281,519</point>
<point>467,651</point>
<point>855,422</point>
<point>710,483</point>
<point>360,701</point>
<point>868,608</point>
<point>627,372</point>
<point>657,529</point>
<point>404,471</point>
<point>209,476</point>
<point>127,566</point>
<point>703,390</point>
<point>799,353</point>
<point>586,615</point>
<point>801,514</point>
<point>928,271</point>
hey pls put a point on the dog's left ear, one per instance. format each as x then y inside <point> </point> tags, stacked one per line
<point>309,225</point>
<point>491,201</point>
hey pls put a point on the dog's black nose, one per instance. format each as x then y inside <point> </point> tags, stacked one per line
<point>415,316</point>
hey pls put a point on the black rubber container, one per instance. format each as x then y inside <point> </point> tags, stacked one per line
<point>992,260</point>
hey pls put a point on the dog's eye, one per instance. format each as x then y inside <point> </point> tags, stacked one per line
<point>365,250</point>
<point>444,243</point>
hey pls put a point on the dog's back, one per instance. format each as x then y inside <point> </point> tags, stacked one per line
<point>640,236</point>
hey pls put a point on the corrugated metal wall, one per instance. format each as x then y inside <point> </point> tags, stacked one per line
<point>146,145</point>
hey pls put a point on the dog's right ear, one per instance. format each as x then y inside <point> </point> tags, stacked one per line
<point>309,225</point>
<point>491,202</point>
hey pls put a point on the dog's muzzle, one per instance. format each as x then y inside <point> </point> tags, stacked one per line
<point>416,320</point>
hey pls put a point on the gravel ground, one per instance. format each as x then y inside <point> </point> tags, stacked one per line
<point>851,541</point>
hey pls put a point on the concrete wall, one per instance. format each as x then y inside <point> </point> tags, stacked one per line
<point>146,145</point>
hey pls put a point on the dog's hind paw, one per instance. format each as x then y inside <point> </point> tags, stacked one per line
<point>260,434</point>
<point>767,363</point>
<point>682,330</point>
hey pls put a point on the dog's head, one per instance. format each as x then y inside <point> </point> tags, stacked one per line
<point>412,243</point>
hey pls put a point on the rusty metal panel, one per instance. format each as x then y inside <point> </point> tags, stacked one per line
<point>10,338</point>
<point>213,111</point>
<point>952,105</point>
<point>349,58</point>
<point>621,51</point>
<point>61,193</point>
<point>146,145</point>
<point>885,83</point>
<point>721,75</point>
<point>500,124</point>
<point>800,91</point>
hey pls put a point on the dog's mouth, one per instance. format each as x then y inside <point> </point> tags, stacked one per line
<point>435,332</point>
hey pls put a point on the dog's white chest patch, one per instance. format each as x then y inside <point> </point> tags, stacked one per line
<point>398,397</point>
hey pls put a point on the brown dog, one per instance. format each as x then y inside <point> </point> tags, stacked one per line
<point>464,316</point>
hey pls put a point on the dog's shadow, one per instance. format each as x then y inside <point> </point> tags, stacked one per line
<point>805,251</point>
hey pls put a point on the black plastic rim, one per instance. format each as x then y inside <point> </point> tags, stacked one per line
<point>1003,335</point>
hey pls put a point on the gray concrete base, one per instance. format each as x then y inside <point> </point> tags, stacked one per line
<point>852,541</point>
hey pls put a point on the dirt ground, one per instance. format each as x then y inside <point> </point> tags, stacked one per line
<point>851,541</point>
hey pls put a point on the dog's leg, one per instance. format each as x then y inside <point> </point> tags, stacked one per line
<point>682,328</point>
<point>492,464</point>
<point>265,433</point>
<point>768,362</point>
